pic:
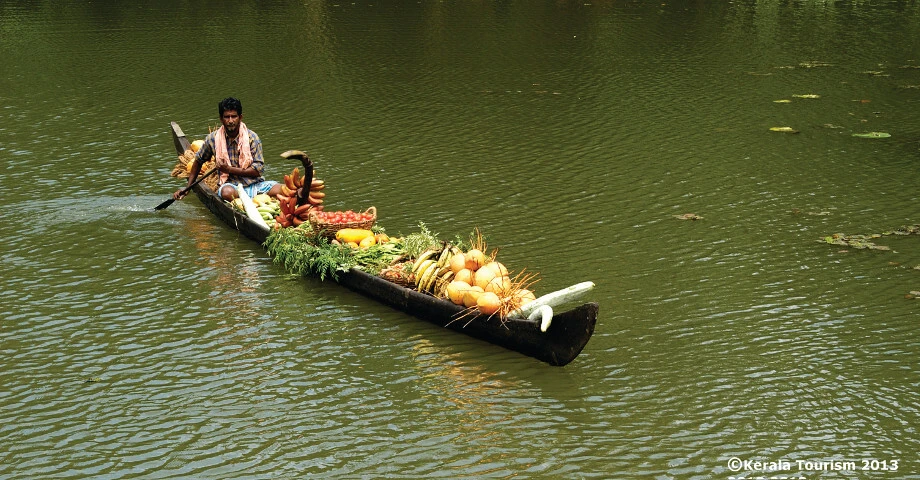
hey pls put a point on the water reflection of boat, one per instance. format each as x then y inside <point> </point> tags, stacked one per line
<point>560,344</point>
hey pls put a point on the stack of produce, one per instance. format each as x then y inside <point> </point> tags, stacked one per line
<point>329,224</point>
<point>294,183</point>
<point>399,273</point>
<point>291,214</point>
<point>419,261</point>
<point>471,279</point>
<point>186,160</point>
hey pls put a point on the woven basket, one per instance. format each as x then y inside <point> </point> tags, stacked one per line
<point>330,229</point>
<point>400,274</point>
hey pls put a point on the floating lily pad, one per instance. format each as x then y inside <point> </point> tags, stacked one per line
<point>872,135</point>
<point>807,95</point>
<point>688,216</point>
<point>783,129</point>
<point>865,241</point>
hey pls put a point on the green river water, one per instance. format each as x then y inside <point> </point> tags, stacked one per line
<point>137,344</point>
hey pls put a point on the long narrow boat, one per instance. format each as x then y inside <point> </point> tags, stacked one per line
<point>564,340</point>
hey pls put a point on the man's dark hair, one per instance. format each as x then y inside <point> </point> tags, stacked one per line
<point>229,103</point>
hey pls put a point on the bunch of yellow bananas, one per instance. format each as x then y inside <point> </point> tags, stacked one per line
<point>432,269</point>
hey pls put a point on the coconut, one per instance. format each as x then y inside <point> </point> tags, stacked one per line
<point>457,263</point>
<point>499,285</point>
<point>471,295</point>
<point>464,275</point>
<point>499,268</point>
<point>522,296</point>
<point>474,259</point>
<point>488,303</point>
<point>455,291</point>
<point>483,276</point>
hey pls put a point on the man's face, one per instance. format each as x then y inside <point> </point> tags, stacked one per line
<point>231,121</point>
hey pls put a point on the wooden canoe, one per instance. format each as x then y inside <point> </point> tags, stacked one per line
<point>560,344</point>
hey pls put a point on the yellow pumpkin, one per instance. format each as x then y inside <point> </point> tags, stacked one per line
<point>354,235</point>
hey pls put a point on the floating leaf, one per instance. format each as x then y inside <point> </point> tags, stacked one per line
<point>807,95</point>
<point>688,216</point>
<point>872,135</point>
<point>783,129</point>
<point>784,100</point>
<point>864,241</point>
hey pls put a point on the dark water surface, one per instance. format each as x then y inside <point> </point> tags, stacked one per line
<point>163,345</point>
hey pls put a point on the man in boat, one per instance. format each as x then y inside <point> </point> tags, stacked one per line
<point>238,154</point>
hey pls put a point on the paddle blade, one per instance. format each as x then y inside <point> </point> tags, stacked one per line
<point>164,204</point>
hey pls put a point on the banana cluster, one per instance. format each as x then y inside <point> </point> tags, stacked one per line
<point>432,269</point>
<point>294,183</point>
<point>292,214</point>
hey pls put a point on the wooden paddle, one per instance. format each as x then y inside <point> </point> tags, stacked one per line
<point>185,190</point>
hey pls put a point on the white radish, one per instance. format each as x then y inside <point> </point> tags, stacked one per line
<point>545,314</point>
<point>553,299</point>
<point>251,211</point>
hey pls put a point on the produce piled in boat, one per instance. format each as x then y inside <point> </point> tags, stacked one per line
<point>380,267</point>
<point>308,240</point>
<point>459,272</point>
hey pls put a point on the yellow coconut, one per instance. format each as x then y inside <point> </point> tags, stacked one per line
<point>483,276</point>
<point>499,286</point>
<point>471,295</point>
<point>474,259</point>
<point>499,268</point>
<point>196,145</point>
<point>488,303</point>
<point>455,291</point>
<point>457,262</point>
<point>464,275</point>
<point>522,296</point>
